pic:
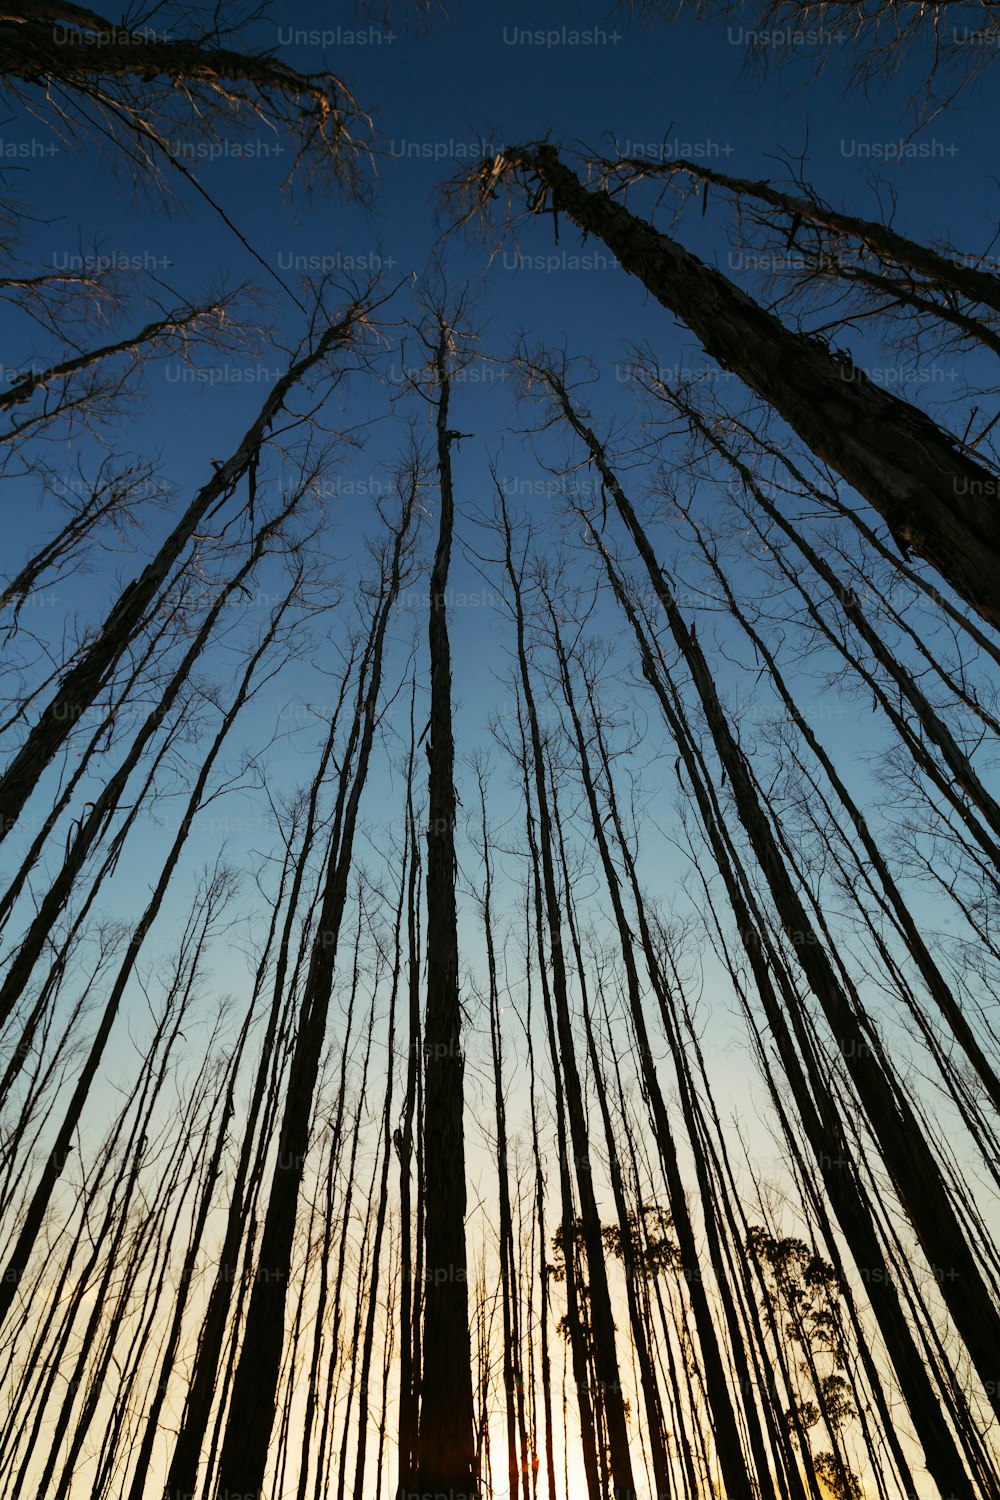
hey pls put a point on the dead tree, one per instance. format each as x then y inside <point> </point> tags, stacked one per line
<point>605,1356</point>
<point>60,1150</point>
<point>517,1471</point>
<point>446,1454</point>
<point>717,1377</point>
<point>820,1117</point>
<point>84,65</point>
<point>936,501</point>
<point>891,1120</point>
<point>407,1141</point>
<point>93,383</point>
<point>106,804</point>
<point>938,272</point>
<point>81,686</point>
<point>257,1124</point>
<point>243,1457</point>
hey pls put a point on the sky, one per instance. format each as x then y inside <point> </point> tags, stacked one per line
<point>443,93</point>
<point>466,82</point>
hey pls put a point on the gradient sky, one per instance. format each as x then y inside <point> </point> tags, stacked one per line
<point>467,83</point>
<point>441,93</point>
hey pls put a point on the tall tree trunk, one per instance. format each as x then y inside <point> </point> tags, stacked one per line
<point>936,501</point>
<point>446,1444</point>
<point>409,1304</point>
<point>574,1322</point>
<point>512,1361</point>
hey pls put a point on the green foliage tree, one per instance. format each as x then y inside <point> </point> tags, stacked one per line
<point>802,1298</point>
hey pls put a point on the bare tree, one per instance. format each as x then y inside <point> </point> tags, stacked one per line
<point>243,1457</point>
<point>934,498</point>
<point>920,42</point>
<point>82,684</point>
<point>446,1456</point>
<point>97,77</point>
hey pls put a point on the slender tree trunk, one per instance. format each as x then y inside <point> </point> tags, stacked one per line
<point>446,1443</point>
<point>574,1323</point>
<point>365,1411</point>
<point>409,1305</point>
<point>513,1383</point>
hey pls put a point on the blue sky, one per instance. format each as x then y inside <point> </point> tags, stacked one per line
<point>439,95</point>
<point>464,81</point>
